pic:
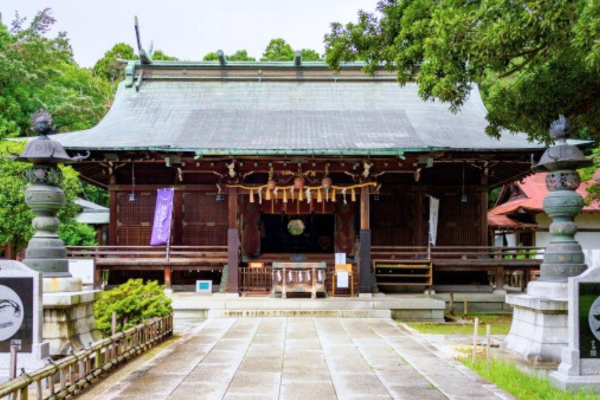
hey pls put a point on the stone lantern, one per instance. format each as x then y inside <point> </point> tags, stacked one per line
<point>68,317</point>
<point>539,327</point>
<point>45,251</point>
<point>563,257</point>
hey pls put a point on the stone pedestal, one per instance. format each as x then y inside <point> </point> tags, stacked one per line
<point>69,318</point>
<point>580,365</point>
<point>539,328</point>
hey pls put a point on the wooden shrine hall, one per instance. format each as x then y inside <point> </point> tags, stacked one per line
<point>281,161</point>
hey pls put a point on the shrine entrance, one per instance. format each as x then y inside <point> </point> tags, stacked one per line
<point>307,233</point>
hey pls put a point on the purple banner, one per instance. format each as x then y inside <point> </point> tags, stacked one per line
<point>161,229</point>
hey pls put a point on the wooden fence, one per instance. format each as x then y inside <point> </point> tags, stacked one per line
<point>71,374</point>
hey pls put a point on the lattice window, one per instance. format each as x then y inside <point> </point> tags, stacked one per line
<point>135,212</point>
<point>205,220</point>
<point>134,218</point>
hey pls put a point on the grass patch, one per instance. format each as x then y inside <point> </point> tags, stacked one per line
<point>500,325</point>
<point>507,376</point>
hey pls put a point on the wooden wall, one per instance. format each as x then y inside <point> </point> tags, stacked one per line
<point>198,219</point>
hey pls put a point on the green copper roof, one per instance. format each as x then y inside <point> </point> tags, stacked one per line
<point>265,110</point>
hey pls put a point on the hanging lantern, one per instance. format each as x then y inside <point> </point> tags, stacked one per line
<point>352,194</point>
<point>326,183</point>
<point>299,183</point>
<point>300,195</point>
<point>268,194</point>
<point>333,195</point>
<point>319,196</point>
<point>271,184</point>
<point>251,196</point>
<point>284,196</point>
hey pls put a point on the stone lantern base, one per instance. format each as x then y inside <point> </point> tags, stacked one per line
<point>539,328</point>
<point>68,315</point>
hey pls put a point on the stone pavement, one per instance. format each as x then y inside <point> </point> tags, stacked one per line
<point>302,358</point>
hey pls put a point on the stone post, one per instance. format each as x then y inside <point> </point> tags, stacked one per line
<point>539,328</point>
<point>68,314</point>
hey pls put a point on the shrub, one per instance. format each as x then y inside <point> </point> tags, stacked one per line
<point>134,303</point>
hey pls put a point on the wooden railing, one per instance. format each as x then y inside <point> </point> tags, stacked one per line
<point>459,252</point>
<point>71,374</point>
<point>139,255</point>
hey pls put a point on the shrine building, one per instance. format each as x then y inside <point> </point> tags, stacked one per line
<point>272,161</point>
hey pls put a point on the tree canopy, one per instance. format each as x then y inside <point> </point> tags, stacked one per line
<point>39,72</point>
<point>109,67</point>
<point>532,59</point>
<point>278,50</point>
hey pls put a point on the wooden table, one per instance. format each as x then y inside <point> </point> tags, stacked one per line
<point>299,277</point>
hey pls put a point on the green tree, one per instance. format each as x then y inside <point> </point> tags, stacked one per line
<point>310,55</point>
<point>109,67</point>
<point>212,56</point>
<point>39,72</point>
<point>241,55</point>
<point>533,59</point>
<point>278,50</point>
<point>134,302</point>
<point>16,217</point>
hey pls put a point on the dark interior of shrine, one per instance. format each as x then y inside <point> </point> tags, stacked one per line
<point>317,236</point>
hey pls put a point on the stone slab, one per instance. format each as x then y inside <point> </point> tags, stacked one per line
<point>304,358</point>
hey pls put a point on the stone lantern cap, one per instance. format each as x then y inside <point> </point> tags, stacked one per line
<point>562,155</point>
<point>44,150</point>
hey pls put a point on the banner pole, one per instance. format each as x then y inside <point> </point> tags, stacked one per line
<point>170,230</point>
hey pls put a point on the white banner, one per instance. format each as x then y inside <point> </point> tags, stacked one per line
<point>434,211</point>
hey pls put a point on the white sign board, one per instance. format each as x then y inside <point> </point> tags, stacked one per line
<point>83,268</point>
<point>340,258</point>
<point>203,286</point>
<point>342,279</point>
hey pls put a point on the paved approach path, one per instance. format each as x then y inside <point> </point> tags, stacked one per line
<point>302,358</point>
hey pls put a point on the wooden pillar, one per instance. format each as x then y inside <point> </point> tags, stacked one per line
<point>177,217</point>
<point>168,273</point>
<point>365,242</point>
<point>483,225</point>
<point>364,208</point>
<point>233,244</point>
<point>112,226</point>
<point>7,251</point>
<point>499,278</point>
<point>233,207</point>
<point>418,221</point>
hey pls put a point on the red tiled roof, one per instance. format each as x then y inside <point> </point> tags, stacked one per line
<point>534,188</point>
<point>503,221</point>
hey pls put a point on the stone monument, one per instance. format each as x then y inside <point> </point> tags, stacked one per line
<point>580,366</point>
<point>68,314</point>
<point>539,328</point>
<point>21,317</point>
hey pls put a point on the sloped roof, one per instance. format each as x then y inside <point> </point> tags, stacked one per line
<point>534,189</point>
<point>505,222</point>
<point>222,110</point>
<point>92,213</point>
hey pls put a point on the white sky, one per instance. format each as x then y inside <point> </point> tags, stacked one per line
<point>189,29</point>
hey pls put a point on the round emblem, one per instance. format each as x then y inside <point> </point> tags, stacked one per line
<point>594,318</point>
<point>11,312</point>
